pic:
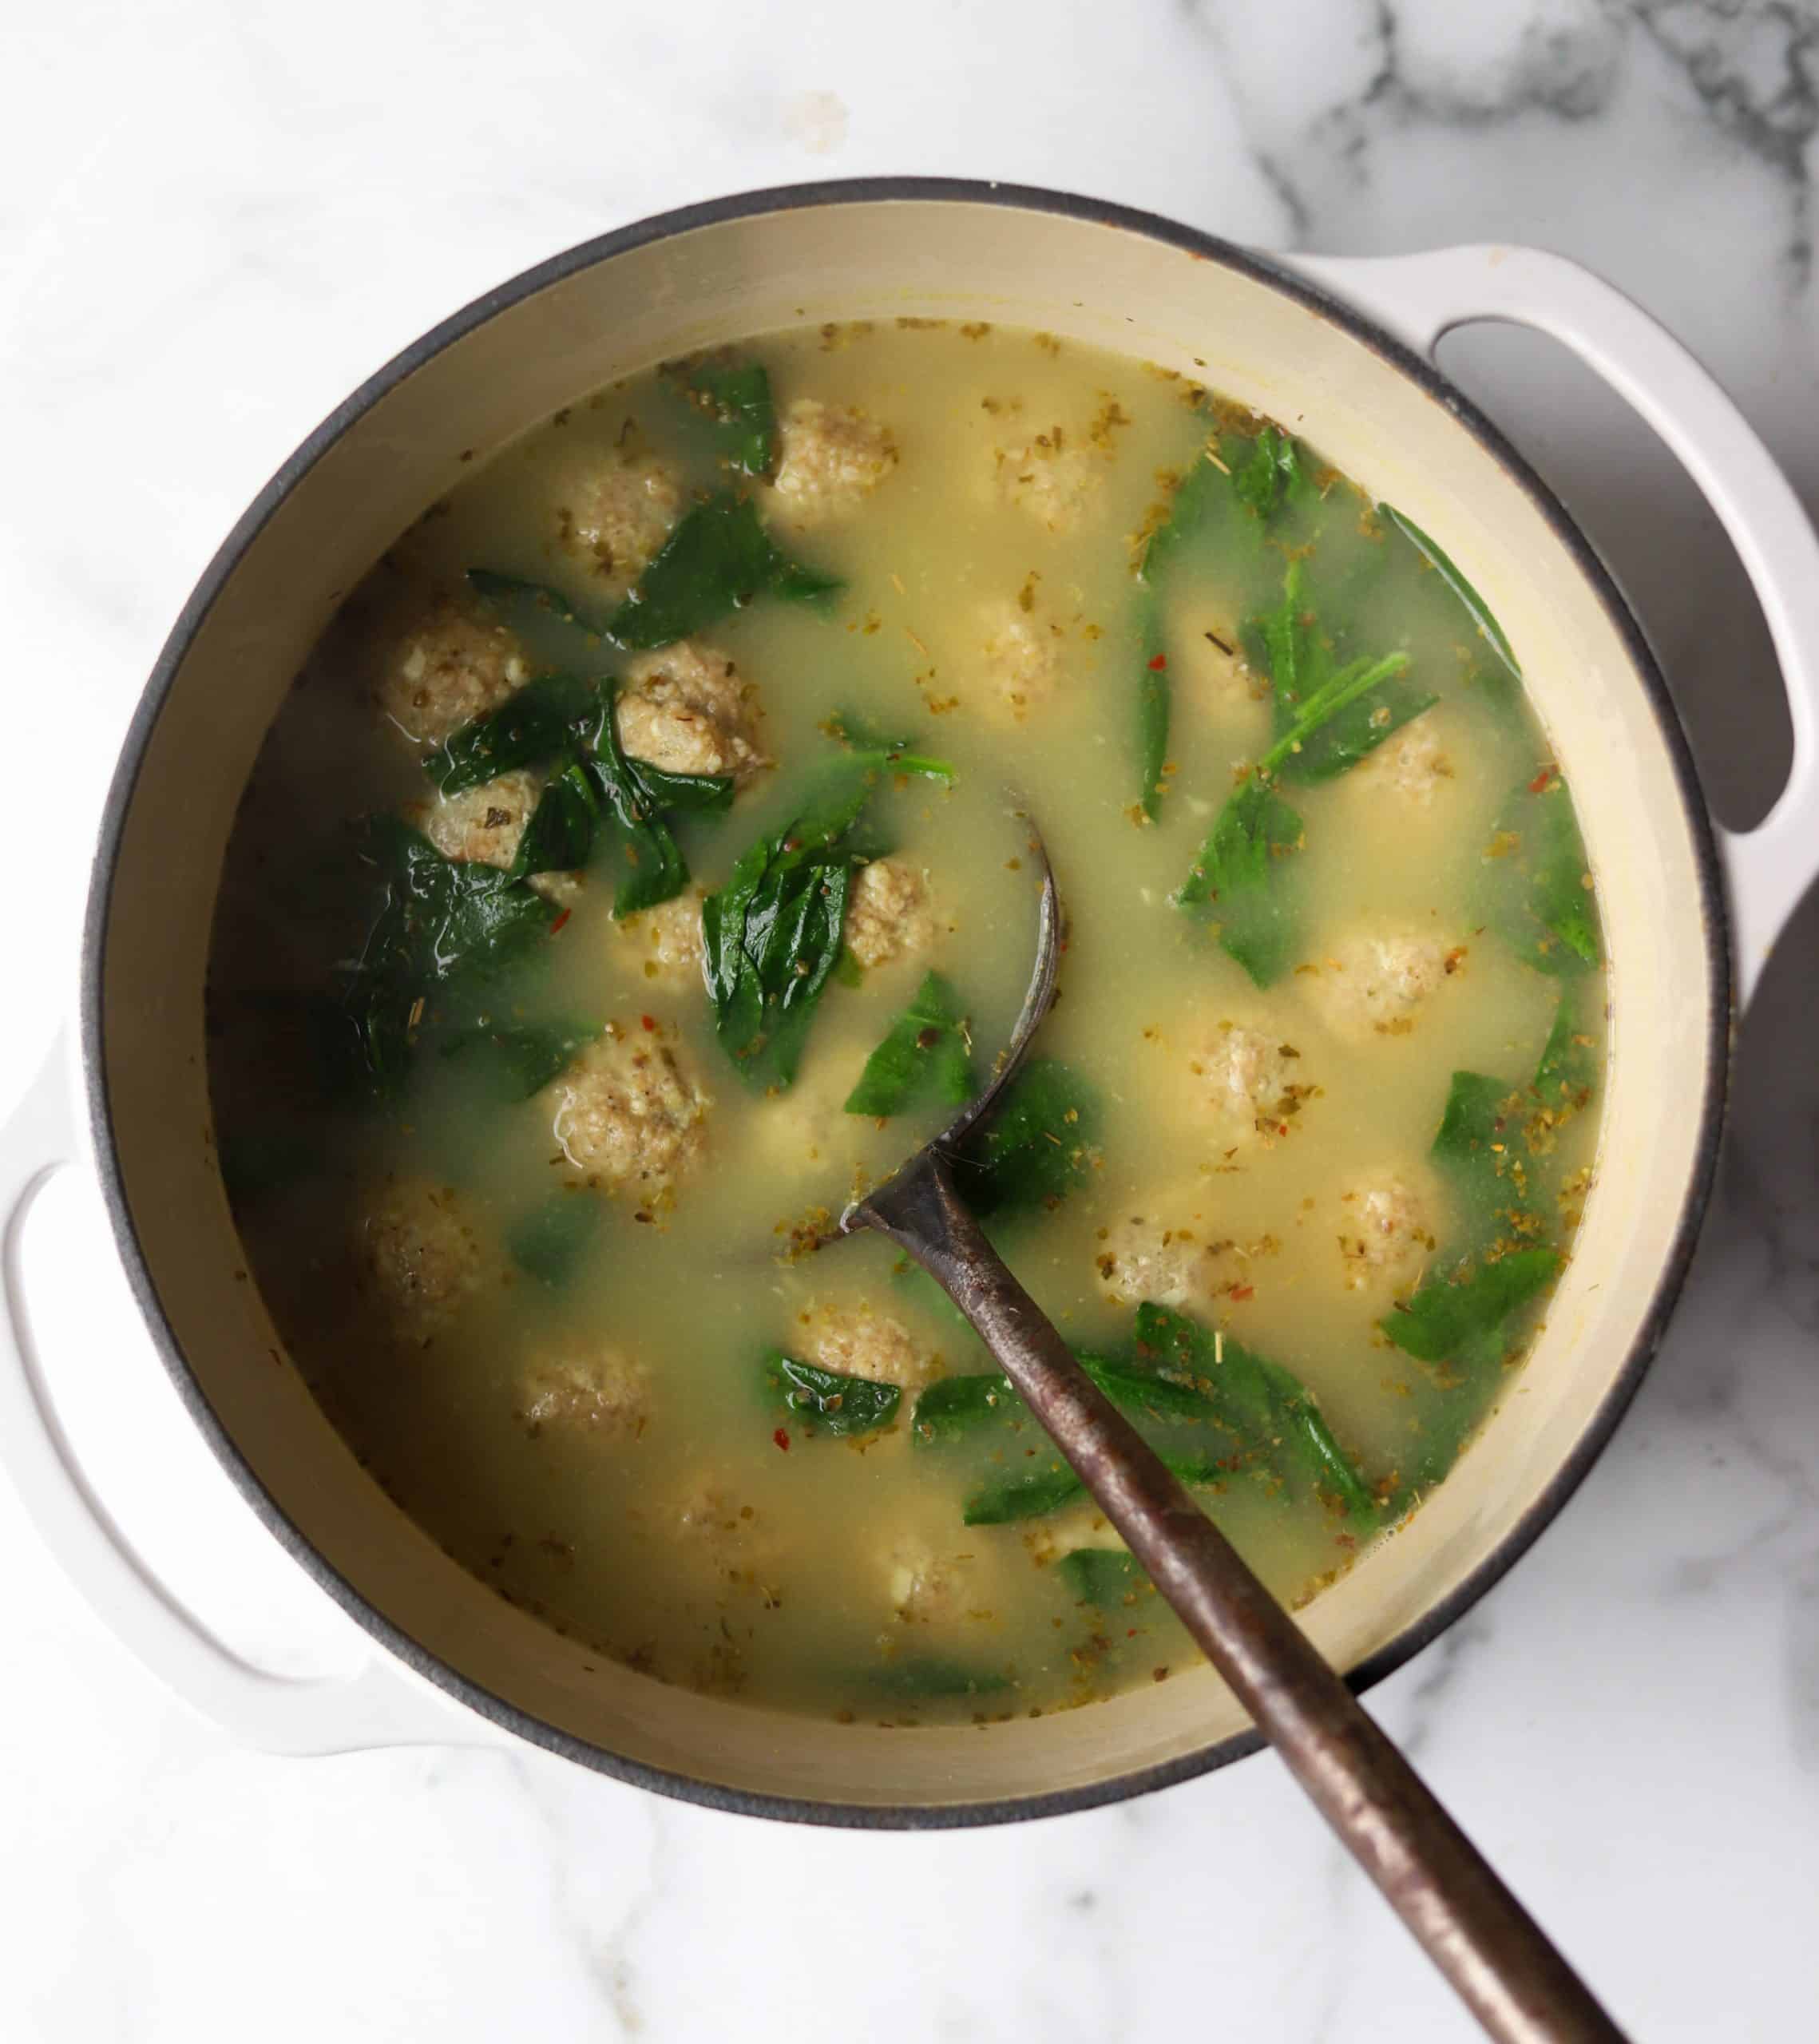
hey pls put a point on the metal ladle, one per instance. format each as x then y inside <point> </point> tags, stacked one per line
<point>1495,1954</point>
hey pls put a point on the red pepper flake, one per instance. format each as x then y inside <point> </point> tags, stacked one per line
<point>782,1438</point>
<point>560,920</point>
<point>1243,1291</point>
<point>1539,785</point>
<point>1158,663</point>
<point>649,1021</point>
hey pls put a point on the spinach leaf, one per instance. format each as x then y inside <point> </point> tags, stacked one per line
<point>549,1241</point>
<point>1464,1317</point>
<point>439,920</point>
<point>1006,1500</point>
<point>735,398</point>
<point>1038,1147</point>
<point>834,1403</point>
<point>1156,707</point>
<point>1534,890</point>
<point>593,787</point>
<point>879,748</point>
<point>1496,1144</point>
<point>1236,884</point>
<point>926,1056</point>
<point>1325,702</point>
<point>930,1675</point>
<point>1182,1375</point>
<point>1287,644</point>
<point>955,1406</point>
<point>1474,604</point>
<point>558,832</point>
<point>1204,500</point>
<point>1240,881</point>
<point>1481,1148</point>
<point>516,591</point>
<point>1271,473</point>
<point>1264,1403</point>
<point>773,935</point>
<point>1495,1141</point>
<point>1145,1393</point>
<point>663,790</point>
<point>1233,491</point>
<point>1568,1070</point>
<point>597,789</point>
<point>518,1062</point>
<point>1105,1576</point>
<point>1205,505</point>
<point>445,917</point>
<point>537,723</point>
<point>718,558</point>
<point>1206,489</point>
<point>652,867</point>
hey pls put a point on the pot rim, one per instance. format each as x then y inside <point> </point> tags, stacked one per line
<point>659,227</point>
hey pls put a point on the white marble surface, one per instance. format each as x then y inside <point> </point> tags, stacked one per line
<point>215,219</point>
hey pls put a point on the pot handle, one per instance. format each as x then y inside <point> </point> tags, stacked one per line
<point>1420,298</point>
<point>378,1706</point>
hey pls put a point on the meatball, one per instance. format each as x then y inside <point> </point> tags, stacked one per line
<point>1377,981</point>
<point>423,1255</point>
<point>926,1588</point>
<point>604,1393</point>
<point>856,1341</point>
<point>1140,1258</point>
<point>616,511</point>
<point>686,710</point>
<point>1253,1084</point>
<point>452,665</point>
<point>627,1115</point>
<point>483,825</point>
<point>831,457</point>
<point>1412,763</point>
<point>1020,656</point>
<point>1051,477</point>
<point>711,1520</point>
<point>888,916</point>
<point>669,937</point>
<point>1384,1232</point>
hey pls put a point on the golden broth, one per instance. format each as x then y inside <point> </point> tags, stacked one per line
<point>697,1528</point>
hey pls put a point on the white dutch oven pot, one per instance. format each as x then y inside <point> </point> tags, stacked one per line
<point>1341,351</point>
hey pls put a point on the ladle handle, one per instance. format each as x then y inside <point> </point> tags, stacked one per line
<point>1488,1946</point>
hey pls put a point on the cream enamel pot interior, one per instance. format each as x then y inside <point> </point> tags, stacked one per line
<point>1338,349</point>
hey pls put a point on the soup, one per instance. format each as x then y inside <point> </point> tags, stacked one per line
<point>644,865</point>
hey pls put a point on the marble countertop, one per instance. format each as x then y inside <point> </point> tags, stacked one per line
<point>218,216</point>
